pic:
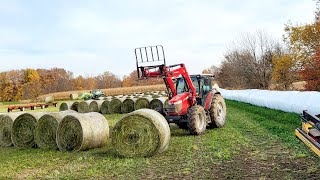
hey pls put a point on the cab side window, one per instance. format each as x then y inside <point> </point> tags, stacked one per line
<point>181,87</point>
<point>196,85</point>
<point>206,86</point>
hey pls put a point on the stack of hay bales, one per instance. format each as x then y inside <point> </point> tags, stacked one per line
<point>66,130</point>
<point>120,103</point>
<point>141,133</point>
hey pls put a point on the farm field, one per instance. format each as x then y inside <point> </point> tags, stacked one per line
<point>255,143</point>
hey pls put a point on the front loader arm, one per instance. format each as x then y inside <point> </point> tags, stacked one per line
<point>151,63</point>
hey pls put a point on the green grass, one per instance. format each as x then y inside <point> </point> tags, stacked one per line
<point>255,143</point>
<point>9,103</point>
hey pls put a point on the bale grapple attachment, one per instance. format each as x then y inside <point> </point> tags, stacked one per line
<point>151,59</point>
<point>309,133</point>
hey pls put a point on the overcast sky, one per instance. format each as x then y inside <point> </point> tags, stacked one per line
<point>93,36</point>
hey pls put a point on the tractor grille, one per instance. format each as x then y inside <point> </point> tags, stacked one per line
<point>168,109</point>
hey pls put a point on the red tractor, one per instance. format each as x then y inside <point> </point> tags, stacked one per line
<point>194,103</point>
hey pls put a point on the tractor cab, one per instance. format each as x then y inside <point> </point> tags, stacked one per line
<point>201,82</point>
<point>96,93</point>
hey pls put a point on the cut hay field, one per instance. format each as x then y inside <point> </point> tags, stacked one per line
<point>256,143</point>
<point>108,92</point>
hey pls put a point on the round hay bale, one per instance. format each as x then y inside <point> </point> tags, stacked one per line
<point>108,98</point>
<point>47,127</point>
<point>105,107</point>
<point>83,107</point>
<point>78,132</point>
<point>64,106</point>
<point>24,130</point>
<point>155,96</point>
<point>128,105</point>
<point>115,106</point>
<point>93,106</point>
<point>69,106</point>
<point>99,102</point>
<point>142,133</point>
<point>6,122</point>
<point>49,99</point>
<point>142,103</point>
<point>157,104</point>
<point>74,96</point>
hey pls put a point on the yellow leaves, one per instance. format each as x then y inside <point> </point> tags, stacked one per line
<point>303,40</point>
<point>283,67</point>
<point>31,75</point>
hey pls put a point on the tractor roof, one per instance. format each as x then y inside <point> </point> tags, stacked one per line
<point>202,75</point>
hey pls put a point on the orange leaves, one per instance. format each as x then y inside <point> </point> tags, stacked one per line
<point>311,73</point>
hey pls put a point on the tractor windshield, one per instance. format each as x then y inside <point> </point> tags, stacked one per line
<point>182,87</point>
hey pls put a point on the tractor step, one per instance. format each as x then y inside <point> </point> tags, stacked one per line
<point>314,132</point>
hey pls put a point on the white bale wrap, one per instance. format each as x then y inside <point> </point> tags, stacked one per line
<point>288,101</point>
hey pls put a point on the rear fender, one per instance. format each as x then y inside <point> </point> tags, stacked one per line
<point>209,98</point>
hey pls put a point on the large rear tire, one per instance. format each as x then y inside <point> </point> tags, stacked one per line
<point>197,120</point>
<point>218,112</point>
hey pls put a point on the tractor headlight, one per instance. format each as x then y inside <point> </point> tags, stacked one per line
<point>178,102</point>
<point>178,106</point>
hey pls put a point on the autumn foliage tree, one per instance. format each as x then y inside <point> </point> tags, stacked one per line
<point>31,84</point>
<point>284,72</point>
<point>311,74</point>
<point>304,43</point>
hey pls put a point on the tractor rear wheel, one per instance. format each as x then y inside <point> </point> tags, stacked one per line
<point>197,120</point>
<point>218,112</point>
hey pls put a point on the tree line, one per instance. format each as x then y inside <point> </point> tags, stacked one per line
<point>16,85</point>
<point>257,60</point>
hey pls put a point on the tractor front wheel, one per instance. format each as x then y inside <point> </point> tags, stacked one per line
<point>197,120</point>
<point>218,112</point>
